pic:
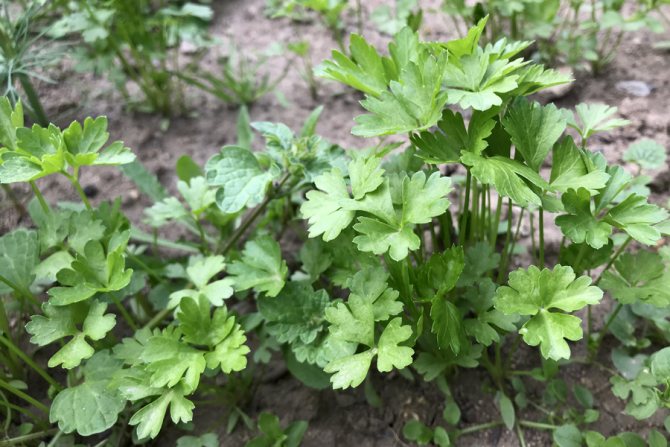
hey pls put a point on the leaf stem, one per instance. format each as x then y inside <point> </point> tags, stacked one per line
<point>254,215</point>
<point>537,425</point>
<point>466,209</point>
<point>40,197</point>
<point>614,258</point>
<point>74,179</point>
<point>20,354</point>
<point>20,394</point>
<point>30,437</point>
<point>541,231</point>
<point>157,318</point>
<point>125,314</point>
<point>478,427</point>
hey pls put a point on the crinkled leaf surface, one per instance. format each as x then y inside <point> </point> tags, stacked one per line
<point>241,180</point>
<point>260,268</point>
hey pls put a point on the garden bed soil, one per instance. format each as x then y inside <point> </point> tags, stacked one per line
<point>346,418</point>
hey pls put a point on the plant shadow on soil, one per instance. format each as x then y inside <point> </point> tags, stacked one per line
<point>345,418</point>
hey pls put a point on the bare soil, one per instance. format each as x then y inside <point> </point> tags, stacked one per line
<point>345,418</point>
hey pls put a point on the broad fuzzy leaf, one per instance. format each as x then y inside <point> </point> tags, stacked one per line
<point>260,268</point>
<point>19,255</point>
<point>241,180</point>
<point>646,153</point>
<point>639,277</point>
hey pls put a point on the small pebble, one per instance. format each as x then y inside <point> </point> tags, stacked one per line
<point>634,88</point>
<point>91,191</point>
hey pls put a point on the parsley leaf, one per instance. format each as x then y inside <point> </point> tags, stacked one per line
<point>19,255</point>
<point>534,129</point>
<point>580,225</point>
<point>200,272</point>
<point>60,322</point>
<point>535,292</point>
<point>638,277</point>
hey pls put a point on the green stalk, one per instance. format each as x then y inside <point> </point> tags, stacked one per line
<point>496,223</point>
<point>532,235</point>
<point>614,258</point>
<point>502,270</point>
<point>74,179</point>
<point>541,230</point>
<point>40,197</point>
<point>478,427</point>
<point>20,440</point>
<point>445,221</point>
<point>254,215</point>
<point>474,207</point>
<point>34,101</point>
<point>125,314</point>
<point>20,354</point>
<point>602,332</point>
<point>157,318</point>
<point>538,425</point>
<point>465,211</point>
<point>515,238</point>
<point>20,394</point>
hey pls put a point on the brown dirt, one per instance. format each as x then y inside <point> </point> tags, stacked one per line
<point>345,418</point>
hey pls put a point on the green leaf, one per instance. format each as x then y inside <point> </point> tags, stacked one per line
<point>187,169</point>
<point>638,277</point>
<point>478,80</point>
<point>389,352</point>
<point>145,181</point>
<point>446,144</point>
<point>168,209</point>
<point>549,330</point>
<point>11,118</point>
<point>641,393</point>
<point>506,408</point>
<point>567,436</point>
<point>646,153</point>
<point>296,313</point>
<point>364,70</point>
<point>149,419</point>
<point>61,322</point>
<point>201,271</point>
<point>206,440</point>
<point>242,181</point>
<point>534,129</point>
<point>366,175</point>
<point>92,406</point>
<point>328,210</point>
<point>594,118</point>
<point>573,168</point>
<point>19,255</point>
<point>508,176</point>
<point>580,225</point>
<point>96,269</point>
<point>414,102</point>
<point>417,431</point>
<point>447,324</point>
<point>636,217</point>
<point>260,268</point>
<point>350,371</point>
<point>379,237</point>
<point>423,198</point>
<point>535,292</point>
